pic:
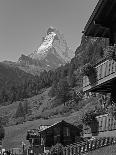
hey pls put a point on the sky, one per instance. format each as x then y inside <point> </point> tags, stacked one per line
<point>24,22</point>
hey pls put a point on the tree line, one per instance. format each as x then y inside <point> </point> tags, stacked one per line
<point>29,87</point>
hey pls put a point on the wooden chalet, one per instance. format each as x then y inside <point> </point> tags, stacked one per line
<point>60,132</point>
<point>102,23</point>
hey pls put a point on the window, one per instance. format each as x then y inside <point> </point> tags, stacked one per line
<point>57,136</point>
<point>36,141</point>
<point>57,139</point>
<point>57,131</point>
<point>66,131</point>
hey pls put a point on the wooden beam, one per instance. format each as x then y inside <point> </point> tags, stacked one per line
<point>104,13</point>
<point>114,18</point>
<point>101,31</point>
<point>103,88</point>
<point>96,30</point>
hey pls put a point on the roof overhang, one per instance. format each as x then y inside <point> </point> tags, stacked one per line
<point>102,18</point>
<point>63,123</point>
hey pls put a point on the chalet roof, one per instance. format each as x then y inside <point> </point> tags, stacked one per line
<point>101,19</point>
<point>57,123</point>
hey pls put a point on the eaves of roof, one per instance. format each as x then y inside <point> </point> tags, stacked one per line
<point>95,13</point>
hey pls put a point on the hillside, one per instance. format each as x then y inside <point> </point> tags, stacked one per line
<point>17,133</point>
<point>35,104</point>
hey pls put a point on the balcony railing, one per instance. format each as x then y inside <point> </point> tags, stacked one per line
<point>105,72</point>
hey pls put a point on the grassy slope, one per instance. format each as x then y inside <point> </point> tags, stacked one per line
<point>17,133</point>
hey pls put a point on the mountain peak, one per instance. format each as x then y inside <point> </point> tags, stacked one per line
<point>52,52</point>
<point>53,39</point>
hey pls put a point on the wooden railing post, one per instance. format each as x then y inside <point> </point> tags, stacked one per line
<point>75,152</point>
<point>64,151</point>
<point>77,149</point>
<point>86,148</point>
<point>70,150</point>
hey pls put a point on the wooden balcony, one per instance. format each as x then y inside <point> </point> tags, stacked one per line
<point>106,75</point>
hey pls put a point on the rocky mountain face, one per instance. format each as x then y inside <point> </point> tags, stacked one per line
<point>52,53</point>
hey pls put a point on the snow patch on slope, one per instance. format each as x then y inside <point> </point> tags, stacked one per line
<point>47,43</point>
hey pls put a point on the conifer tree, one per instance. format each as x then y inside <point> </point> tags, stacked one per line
<point>20,110</point>
<point>2,131</point>
<point>25,108</point>
<point>62,90</point>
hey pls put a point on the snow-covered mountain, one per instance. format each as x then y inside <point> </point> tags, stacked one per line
<point>52,53</point>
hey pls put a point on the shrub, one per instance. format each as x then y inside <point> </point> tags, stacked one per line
<point>63,90</point>
<point>65,110</point>
<point>110,53</point>
<point>57,149</point>
<point>19,111</point>
<point>88,70</point>
<point>19,120</point>
<point>90,120</point>
<point>112,110</point>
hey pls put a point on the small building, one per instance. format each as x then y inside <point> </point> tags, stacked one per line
<point>61,132</point>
